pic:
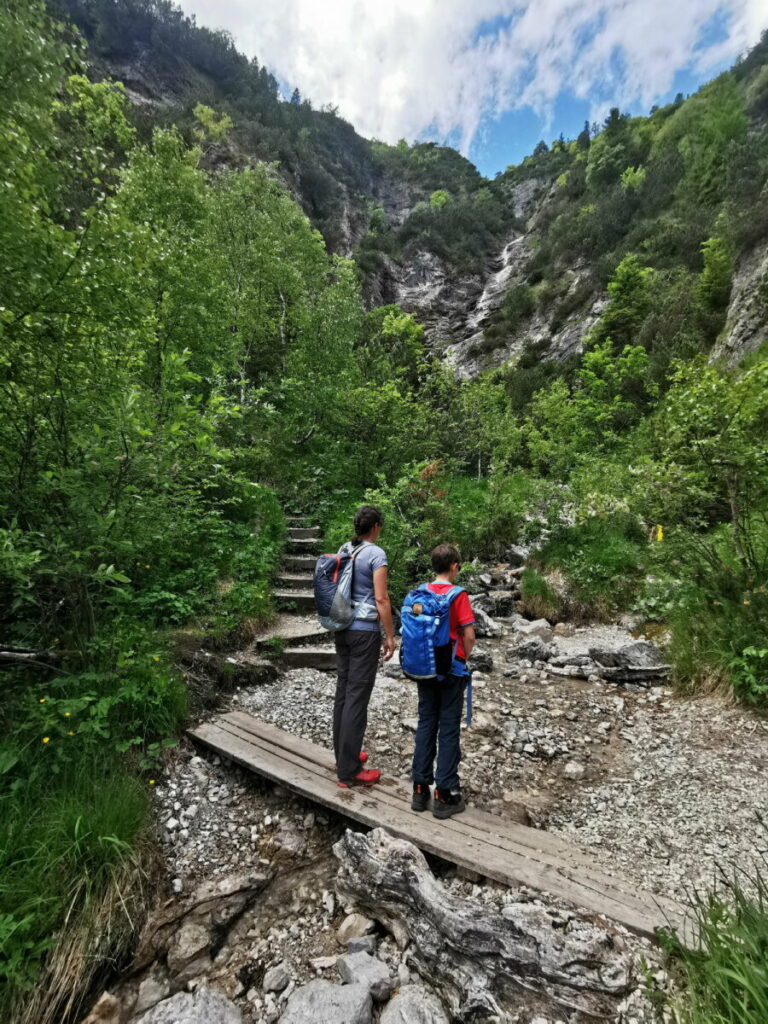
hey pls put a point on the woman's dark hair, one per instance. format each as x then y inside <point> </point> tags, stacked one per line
<point>444,556</point>
<point>365,519</point>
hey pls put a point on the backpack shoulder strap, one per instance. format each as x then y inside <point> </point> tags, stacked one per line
<point>453,593</point>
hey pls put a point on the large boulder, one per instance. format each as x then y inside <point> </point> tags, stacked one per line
<point>480,660</point>
<point>531,649</point>
<point>640,662</point>
<point>485,625</point>
<point>203,1006</point>
<point>321,1002</point>
<point>537,628</point>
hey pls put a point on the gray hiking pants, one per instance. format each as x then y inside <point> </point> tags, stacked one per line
<point>357,658</point>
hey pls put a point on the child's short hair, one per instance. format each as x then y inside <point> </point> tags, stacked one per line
<point>444,556</point>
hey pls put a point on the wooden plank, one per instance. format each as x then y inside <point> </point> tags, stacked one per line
<point>574,865</point>
<point>384,806</point>
<point>527,841</point>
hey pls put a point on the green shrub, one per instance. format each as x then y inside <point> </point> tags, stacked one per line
<point>428,506</point>
<point>602,562</point>
<point>720,630</point>
<point>538,598</point>
<point>517,305</point>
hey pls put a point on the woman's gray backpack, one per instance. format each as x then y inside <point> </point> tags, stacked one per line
<point>333,590</point>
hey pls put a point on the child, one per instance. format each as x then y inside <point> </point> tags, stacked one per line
<point>441,703</point>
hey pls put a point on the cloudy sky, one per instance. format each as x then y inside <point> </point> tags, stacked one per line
<point>489,76</point>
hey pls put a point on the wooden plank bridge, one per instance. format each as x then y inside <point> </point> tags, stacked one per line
<point>500,850</point>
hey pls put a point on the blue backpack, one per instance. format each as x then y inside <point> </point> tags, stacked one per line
<point>426,654</point>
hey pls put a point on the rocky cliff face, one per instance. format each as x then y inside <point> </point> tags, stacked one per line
<point>747,324</point>
<point>457,309</point>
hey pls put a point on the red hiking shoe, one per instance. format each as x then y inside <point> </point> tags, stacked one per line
<point>366,777</point>
<point>363,759</point>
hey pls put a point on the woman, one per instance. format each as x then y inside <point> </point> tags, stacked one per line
<point>358,649</point>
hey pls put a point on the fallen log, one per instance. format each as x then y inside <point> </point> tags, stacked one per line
<point>10,656</point>
<point>482,960</point>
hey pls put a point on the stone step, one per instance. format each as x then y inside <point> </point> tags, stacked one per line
<point>322,658</point>
<point>300,600</point>
<point>300,562</point>
<point>292,630</point>
<point>304,532</point>
<point>303,545</point>
<point>291,581</point>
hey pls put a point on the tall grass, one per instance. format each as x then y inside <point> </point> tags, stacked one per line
<point>69,883</point>
<point>725,976</point>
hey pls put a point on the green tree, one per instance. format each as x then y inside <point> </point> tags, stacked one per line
<point>567,426</point>
<point>715,279</point>
<point>631,299</point>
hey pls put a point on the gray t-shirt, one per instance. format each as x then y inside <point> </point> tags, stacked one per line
<point>369,558</point>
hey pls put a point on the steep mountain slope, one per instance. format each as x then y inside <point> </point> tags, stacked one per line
<point>684,189</point>
<point>494,269</point>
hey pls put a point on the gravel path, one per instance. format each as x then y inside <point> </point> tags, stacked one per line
<point>661,787</point>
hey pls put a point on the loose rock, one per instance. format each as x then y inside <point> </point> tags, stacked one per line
<point>365,944</point>
<point>203,1006</point>
<point>276,979</point>
<point>320,1002</point>
<point>414,1005</point>
<point>361,968</point>
<point>354,927</point>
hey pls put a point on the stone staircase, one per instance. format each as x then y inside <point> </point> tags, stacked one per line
<point>307,644</point>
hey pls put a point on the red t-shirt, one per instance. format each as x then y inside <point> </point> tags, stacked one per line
<point>461,614</point>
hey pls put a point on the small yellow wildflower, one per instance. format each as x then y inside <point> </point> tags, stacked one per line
<point>151,782</point>
<point>70,734</point>
<point>46,739</point>
<point>42,700</point>
<point>155,659</point>
<point>67,714</point>
<point>659,533</point>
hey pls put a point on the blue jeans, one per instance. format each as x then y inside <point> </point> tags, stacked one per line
<point>439,732</point>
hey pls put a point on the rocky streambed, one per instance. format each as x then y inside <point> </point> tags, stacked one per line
<point>259,910</point>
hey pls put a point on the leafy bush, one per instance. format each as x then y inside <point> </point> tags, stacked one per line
<point>601,560</point>
<point>720,627</point>
<point>539,600</point>
<point>518,303</point>
<point>429,506</point>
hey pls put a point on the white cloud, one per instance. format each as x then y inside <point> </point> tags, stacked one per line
<point>395,68</point>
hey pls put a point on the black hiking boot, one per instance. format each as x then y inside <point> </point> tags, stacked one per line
<point>420,798</point>
<point>447,803</point>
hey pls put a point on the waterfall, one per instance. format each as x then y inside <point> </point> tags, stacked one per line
<point>494,287</point>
